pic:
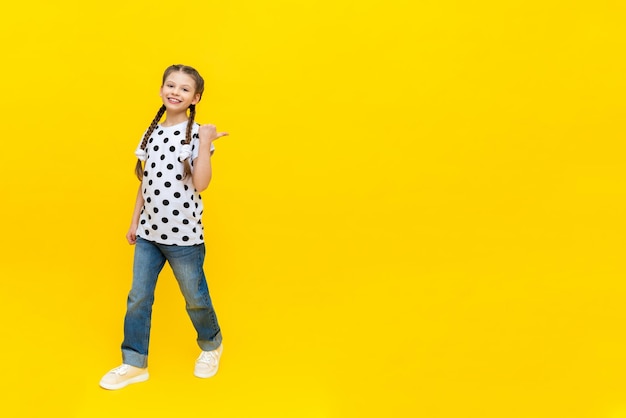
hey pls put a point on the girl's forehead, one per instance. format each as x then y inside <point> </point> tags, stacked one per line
<point>180,78</point>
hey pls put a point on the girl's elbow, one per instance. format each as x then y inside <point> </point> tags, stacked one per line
<point>201,179</point>
<point>201,186</point>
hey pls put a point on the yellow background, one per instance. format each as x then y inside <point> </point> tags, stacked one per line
<point>418,213</point>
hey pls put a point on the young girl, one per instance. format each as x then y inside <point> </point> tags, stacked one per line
<point>167,226</point>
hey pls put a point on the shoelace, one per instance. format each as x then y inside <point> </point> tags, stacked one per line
<point>121,370</point>
<point>209,357</point>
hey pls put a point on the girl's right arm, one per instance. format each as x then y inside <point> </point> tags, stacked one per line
<point>131,235</point>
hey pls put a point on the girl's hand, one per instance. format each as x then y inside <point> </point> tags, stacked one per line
<point>131,235</point>
<point>209,133</point>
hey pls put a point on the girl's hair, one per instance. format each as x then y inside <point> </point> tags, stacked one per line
<point>190,71</point>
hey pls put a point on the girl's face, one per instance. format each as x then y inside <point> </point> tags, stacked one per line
<point>179,92</point>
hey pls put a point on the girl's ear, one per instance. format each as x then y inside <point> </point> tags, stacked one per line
<point>196,99</point>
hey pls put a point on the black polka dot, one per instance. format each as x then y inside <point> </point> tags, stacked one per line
<point>186,205</point>
<point>162,157</point>
<point>182,142</point>
<point>159,174</point>
<point>166,202</point>
<point>176,132</point>
<point>147,232</point>
<point>163,236</point>
<point>170,166</point>
<point>150,183</point>
<point>168,184</point>
<point>153,165</point>
<point>150,140</point>
<point>175,212</point>
<point>177,195</point>
<point>157,192</point>
<point>175,230</point>
<point>154,227</point>
<point>156,148</point>
<point>160,132</point>
<point>186,221</point>
<point>165,220</point>
<point>145,174</point>
<point>186,187</point>
<point>165,140</point>
<point>179,176</point>
<point>143,221</point>
<point>185,238</point>
<point>149,199</point>
<point>155,210</point>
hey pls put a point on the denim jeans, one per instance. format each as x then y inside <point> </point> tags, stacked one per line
<point>187,264</point>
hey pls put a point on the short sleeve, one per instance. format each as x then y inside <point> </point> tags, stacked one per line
<point>138,149</point>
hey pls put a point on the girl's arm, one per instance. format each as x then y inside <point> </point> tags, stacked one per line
<point>202,171</point>
<point>131,235</point>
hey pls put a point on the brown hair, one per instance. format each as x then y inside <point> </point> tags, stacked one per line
<point>190,71</point>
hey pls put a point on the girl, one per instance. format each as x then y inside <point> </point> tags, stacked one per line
<point>167,226</point>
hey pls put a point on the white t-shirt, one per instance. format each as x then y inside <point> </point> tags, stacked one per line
<point>172,211</point>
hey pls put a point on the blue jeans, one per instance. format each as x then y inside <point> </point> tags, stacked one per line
<point>187,264</point>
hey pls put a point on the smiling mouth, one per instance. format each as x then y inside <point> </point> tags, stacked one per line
<point>174,100</point>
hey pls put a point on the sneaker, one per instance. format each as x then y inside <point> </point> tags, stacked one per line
<point>123,376</point>
<point>208,362</point>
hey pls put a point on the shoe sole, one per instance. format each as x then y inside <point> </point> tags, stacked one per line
<point>204,376</point>
<point>137,379</point>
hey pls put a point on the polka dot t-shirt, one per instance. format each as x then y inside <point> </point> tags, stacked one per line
<point>172,211</point>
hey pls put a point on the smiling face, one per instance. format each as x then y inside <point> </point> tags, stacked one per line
<point>178,92</point>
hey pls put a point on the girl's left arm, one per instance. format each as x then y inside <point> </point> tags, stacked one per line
<point>202,171</point>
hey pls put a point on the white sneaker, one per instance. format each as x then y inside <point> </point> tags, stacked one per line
<point>123,376</point>
<point>208,362</point>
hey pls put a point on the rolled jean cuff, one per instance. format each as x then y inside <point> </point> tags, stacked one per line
<point>134,359</point>
<point>206,345</point>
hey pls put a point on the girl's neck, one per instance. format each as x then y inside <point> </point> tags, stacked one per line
<point>174,119</point>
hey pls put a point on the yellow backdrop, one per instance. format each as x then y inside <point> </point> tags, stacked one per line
<point>419,211</point>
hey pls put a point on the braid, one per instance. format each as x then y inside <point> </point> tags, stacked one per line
<point>192,116</point>
<point>144,142</point>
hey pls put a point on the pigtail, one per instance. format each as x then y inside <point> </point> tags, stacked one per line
<point>190,122</point>
<point>144,142</point>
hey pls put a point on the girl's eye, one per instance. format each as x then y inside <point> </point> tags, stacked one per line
<point>186,89</point>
